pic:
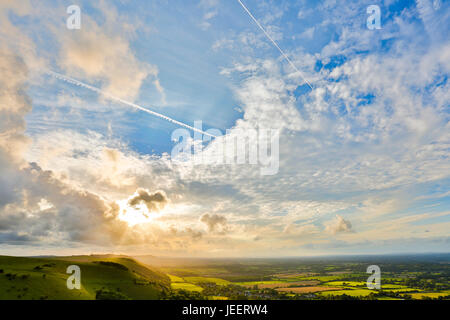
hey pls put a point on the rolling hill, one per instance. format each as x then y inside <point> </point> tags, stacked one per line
<point>102,277</point>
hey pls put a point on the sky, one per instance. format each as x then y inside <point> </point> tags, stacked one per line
<point>359,164</point>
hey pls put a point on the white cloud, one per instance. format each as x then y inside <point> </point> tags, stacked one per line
<point>338,225</point>
<point>94,53</point>
<point>210,8</point>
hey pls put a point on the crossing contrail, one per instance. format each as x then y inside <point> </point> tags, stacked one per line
<point>274,43</point>
<point>131,104</point>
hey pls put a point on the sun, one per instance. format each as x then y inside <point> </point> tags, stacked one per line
<point>139,213</point>
<point>133,215</point>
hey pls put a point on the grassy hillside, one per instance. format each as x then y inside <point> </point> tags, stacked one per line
<point>102,277</point>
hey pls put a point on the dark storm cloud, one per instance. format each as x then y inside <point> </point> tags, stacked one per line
<point>15,238</point>
<point>154,201</point>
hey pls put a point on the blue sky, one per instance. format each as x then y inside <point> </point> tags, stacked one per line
<point>363,160</point>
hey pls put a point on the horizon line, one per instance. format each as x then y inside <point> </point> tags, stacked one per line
<point>240,257</point>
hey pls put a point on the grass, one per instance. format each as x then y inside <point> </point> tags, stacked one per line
<point>195,271</point>
<point>189,283</point>
<point>350,292</point>
<point>401,290</point>
<point>278,284</point>
<point>346,283</point>
<point>186,286</point>
<point>429,294</point>
<point>217,281</point>
<point>175,278</point>
<point>392,286</point>
<point>304,289</point>
<point>363,284</point>
<point>252,283</point>
<point>325,278</point>
<point>45,278</point>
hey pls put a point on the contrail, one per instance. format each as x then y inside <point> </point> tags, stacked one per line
<point>131,104</point>
<point>274,43</point>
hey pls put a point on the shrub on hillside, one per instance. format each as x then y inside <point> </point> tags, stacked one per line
<point>112,264</point>
<point>109,295</point>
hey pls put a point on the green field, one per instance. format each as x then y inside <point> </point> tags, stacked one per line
<point>189,283</point>
<point>349,292</point>
<point>363,284</point>
<point>401,290</point>
<point>327,278</point>
<point>253,283</point>
<point>175,278</point>
<point>196,280</point>
<point>430,294</point>
<point>217,298</point>
<point>346,283</point>
<point>186,286</point>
